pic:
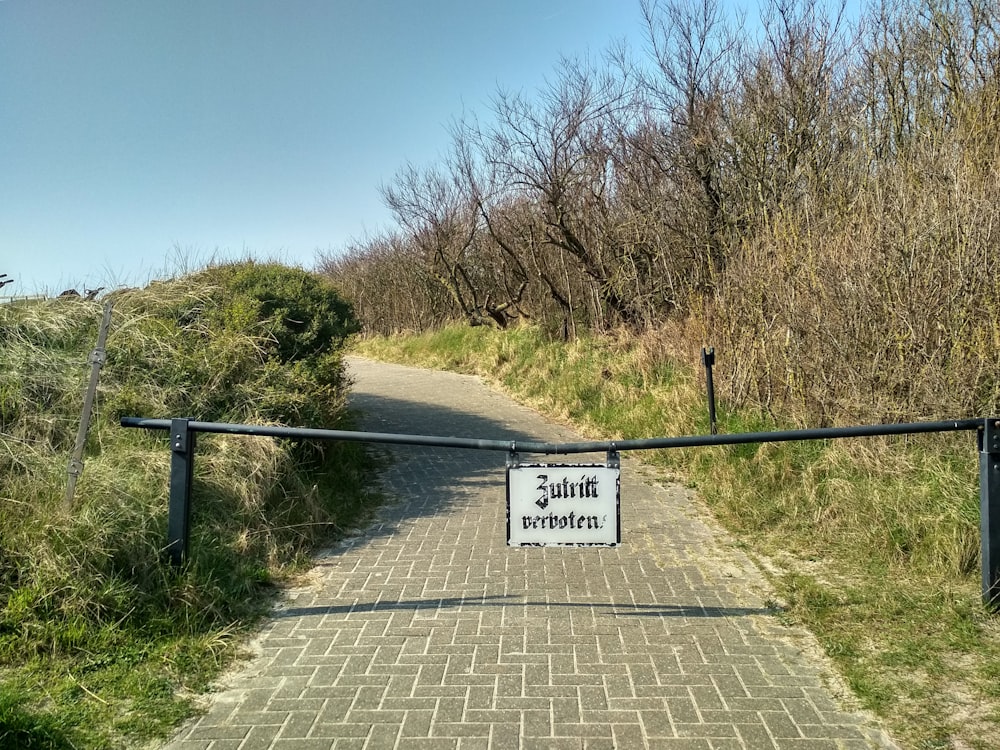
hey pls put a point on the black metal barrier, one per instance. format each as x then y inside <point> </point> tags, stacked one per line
<point>183,431</point>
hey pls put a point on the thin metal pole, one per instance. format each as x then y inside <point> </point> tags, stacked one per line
<point>708,359</point>
<point>96,360</point>
<point>603,446</point>
<point>989,510</point>
<point>182,442</point>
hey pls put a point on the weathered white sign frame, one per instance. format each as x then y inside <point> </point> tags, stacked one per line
<point>563,505</point>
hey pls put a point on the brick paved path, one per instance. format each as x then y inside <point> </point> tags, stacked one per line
<point>426,631</point>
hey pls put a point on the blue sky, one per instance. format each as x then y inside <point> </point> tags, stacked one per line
<point>140,136</point>
<point>136,136</point>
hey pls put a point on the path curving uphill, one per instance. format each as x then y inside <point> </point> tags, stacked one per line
<point>425,631</point>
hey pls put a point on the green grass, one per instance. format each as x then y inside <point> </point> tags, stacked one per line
<point>102,643</point>
<point>870,543</point>
<point>20,727</point>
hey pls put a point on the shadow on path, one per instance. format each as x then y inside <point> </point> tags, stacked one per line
<point>506,600</point>
<point>431,481</point>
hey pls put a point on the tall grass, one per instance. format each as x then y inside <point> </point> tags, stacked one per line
<point>101,642</point>
<point>872,543</point>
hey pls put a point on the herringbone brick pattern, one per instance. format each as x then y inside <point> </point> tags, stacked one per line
<point>426,631</point>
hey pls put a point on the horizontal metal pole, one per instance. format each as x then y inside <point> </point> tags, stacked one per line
<point>689,441</point>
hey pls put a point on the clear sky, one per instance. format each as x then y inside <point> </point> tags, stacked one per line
<point>135,132</point>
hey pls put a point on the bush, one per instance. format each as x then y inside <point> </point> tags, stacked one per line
<point>300,316</point>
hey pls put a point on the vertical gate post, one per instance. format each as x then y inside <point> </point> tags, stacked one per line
<point>708,359</point>
<point>182,440</point>
<point>989,509</point>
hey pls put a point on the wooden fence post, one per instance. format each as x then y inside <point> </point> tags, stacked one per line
<point>96,361</point>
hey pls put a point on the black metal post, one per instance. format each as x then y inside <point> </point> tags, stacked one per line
<point>708,359</point>
<point>182,440</point>
<point>989,509</point>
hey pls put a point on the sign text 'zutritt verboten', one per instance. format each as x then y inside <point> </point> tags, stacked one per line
<point>563,505</point>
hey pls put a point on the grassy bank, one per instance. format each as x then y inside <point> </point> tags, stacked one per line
<point>102,644</point>
<point>872,544</point>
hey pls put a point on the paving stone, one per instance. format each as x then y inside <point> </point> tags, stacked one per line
<point>628,735</point>
<point>424,631</point>
<point>755,735</point>
<point>219,732</point>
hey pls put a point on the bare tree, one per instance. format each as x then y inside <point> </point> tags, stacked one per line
<point>553,156</point>
<point>443,219</point>
<point>692,49</point>
<point>788,128</point>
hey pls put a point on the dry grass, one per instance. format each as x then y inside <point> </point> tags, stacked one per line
<point>100,640</point>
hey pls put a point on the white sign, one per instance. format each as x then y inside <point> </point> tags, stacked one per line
<point>554,505</point>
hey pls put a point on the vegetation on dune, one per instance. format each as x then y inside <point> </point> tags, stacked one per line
<point>101,642</point>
